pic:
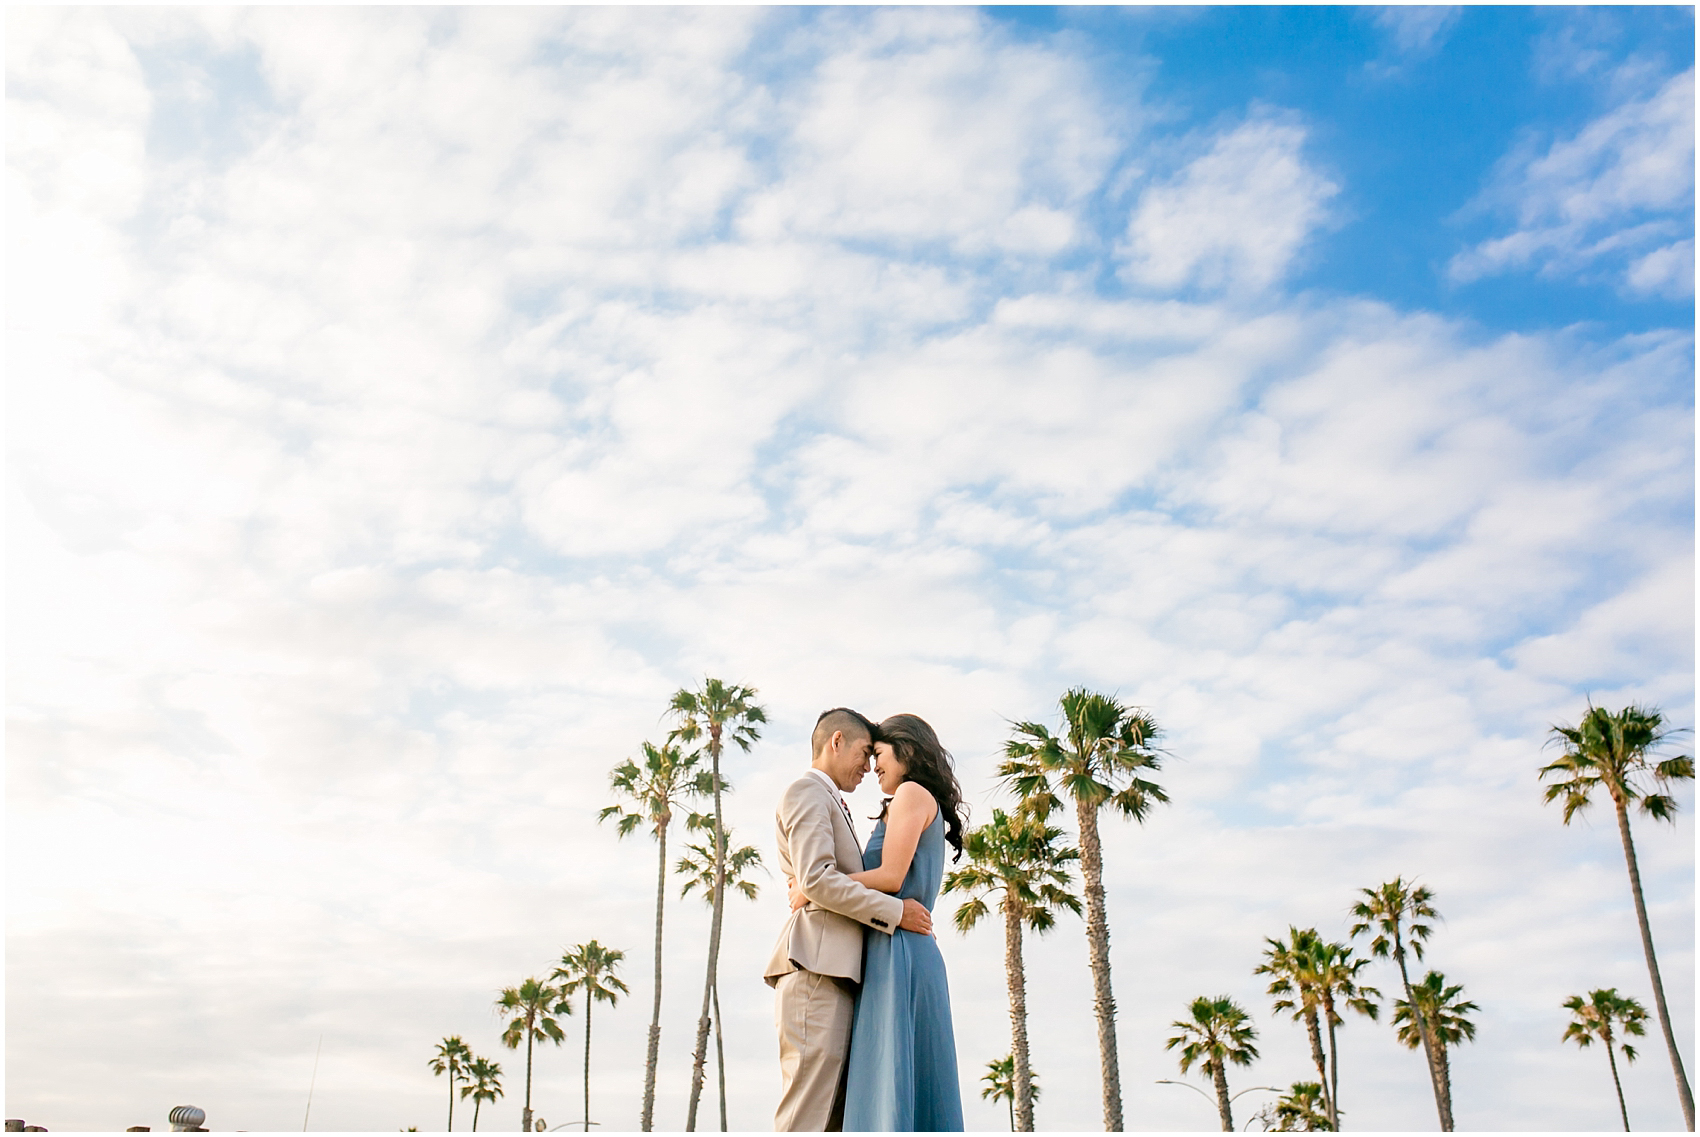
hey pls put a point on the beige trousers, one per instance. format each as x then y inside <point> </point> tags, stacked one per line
<point>814,1014</point>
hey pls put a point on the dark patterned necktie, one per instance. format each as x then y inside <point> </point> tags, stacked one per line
<point>848,820</point>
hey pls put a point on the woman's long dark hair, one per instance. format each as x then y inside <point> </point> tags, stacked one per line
<point>927,763</point>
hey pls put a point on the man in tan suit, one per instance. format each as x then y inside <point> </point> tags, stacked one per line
<point>818,961</point>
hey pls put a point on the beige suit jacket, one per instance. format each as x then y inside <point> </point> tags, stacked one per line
<point>818,850</point>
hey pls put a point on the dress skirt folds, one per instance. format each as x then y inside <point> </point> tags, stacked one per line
<point>901,1073</point>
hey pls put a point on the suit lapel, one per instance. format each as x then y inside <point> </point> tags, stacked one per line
<point>843,827</point>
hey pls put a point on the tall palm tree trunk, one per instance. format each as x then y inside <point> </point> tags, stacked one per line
<point>1098,948</point>
<point>1017,976</point>
<point>700,1057</point>
<point>720,1057</point>
<point>525,1117</point>
<point>587,1060</point>
<point>1616,1081</point>
<point>1445,1081</point>
<point>451,1100</point>
<point>1314,1030</point>
<point>654,1057</point>
<point>1224,1104</point>
<point>1332,1103</point>
<point>1441,1105</point>
<point>476,1102</point>
<point>1684,1094</point>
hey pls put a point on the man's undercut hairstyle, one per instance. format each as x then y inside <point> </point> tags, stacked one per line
<point>839,718</point>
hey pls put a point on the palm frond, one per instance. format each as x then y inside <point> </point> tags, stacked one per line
<point>1018,858</point>
<point>1439,1010</point>
<point>1660,807</point>
<point>1616,750</point>
<point>1095,756</point>
<point>1217,1030</point>
<point>698,867</point>
<point>1680,768</point>
<point>970,913</point>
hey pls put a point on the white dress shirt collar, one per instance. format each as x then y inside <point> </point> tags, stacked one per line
<point>827,778</point>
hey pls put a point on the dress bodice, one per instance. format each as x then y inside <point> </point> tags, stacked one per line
<point>926,870</point>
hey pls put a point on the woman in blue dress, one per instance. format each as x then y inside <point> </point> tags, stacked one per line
<point>901,1072</point>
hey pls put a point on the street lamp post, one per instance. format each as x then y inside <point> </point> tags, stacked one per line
<point>1210,1098</point>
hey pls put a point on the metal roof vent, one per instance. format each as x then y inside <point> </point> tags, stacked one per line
<point>187,1119</point>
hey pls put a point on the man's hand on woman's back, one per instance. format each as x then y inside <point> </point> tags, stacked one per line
<point>916,918</point>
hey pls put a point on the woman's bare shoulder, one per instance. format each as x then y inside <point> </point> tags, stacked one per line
<point>913,797</point>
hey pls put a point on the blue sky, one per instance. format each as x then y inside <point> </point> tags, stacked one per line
<point>403,403</point>
<point>1384,94</point>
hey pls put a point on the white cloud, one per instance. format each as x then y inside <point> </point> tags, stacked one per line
<point>1621,188</point>
<point>76,106</point>
<point>1235,218</point>
<point>929,127</point>
<point>1417,29</point>
<point>1667,271</point>
<point>1411,34</point>
<point>369,520</point>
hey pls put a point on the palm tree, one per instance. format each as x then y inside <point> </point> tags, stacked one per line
<point>450,1060</point>
<point>1335,975</point>
<point>485,1085</point>
<point>1299,1110</point>
<point>1017,858</point>
<point>1617,752</point>
<point>532,1007</point>
<point>1442,1017</point>
<point>1398,913</point>
<point>1096,761</point>
<point>666,777</point>
<point>723,713</point>
<point>1293,964</point>
<point>1000,1084</point>
<point>1218,1032</point>
<point>590,968</point>
<point>697,866</point>
<point>1594,1018</point>
<point>698,870</point>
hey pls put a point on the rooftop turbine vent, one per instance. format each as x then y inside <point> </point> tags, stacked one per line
<point>187,1119</point>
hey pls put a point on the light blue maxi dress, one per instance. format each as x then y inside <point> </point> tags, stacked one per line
<point>901,1074</point>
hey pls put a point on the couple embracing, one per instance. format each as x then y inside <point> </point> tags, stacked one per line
<point>865,1038</point>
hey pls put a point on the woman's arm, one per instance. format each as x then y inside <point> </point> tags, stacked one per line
<point>912,809</point>
<point>807,823</point>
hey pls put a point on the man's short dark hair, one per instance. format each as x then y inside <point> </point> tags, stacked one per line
<point>839,718</point>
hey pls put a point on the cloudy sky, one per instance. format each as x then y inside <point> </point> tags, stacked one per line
<point>402,404</point>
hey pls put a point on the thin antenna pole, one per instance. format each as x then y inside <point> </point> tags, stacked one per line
<point>310,1083</point>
